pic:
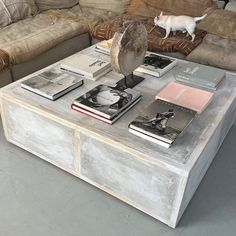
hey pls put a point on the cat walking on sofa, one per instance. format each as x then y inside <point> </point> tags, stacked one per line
<point>175,23</point>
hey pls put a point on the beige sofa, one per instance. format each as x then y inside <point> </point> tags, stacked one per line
<point>36,33</point>
<point>40,32</point>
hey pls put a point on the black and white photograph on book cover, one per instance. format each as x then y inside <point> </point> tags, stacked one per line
<point>52,83</point>
<point>163,120</point>
<point>156,65</point>
<point>107,100</point>
<point>156,61</point>
<point>159,121</point>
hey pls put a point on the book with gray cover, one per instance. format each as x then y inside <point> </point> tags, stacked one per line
<point>52,83</point>
<point>200,75</point>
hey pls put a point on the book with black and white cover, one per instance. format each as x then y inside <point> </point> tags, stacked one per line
<point>162,122</point>
<point>199,75</point>
<point>98,117</point>
<point>86,66</point>
<point>156,64</point>
<point>52,83</point>
<point>107,101</point>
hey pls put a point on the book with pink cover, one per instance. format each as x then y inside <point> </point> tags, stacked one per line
<point>186,96</point>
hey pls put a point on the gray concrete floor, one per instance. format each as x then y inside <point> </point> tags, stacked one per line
<point>39,199</point>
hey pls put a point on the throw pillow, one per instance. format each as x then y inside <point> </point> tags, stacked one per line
<point>55,4</point>
<point>13,10</point>
<point>174,7</point>
<point>220,22</point>
<point>117,6</point>
<point>215,51</point>
<point>156,43</point>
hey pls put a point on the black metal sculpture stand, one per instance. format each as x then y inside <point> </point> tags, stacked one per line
<point>129,81</point>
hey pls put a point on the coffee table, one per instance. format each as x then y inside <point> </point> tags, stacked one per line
<point>154,179</point>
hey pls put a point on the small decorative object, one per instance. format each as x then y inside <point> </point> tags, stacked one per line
<point>128,51</point>
<point>175,23</point>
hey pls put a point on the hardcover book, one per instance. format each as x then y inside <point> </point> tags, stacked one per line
<point>98,117</point>
<point>86,66</point>
<point>52,83</point>
<point>156,65</point>
<point>162,122</point>
<point>106,101</point>
<point>200,75</point>
<point>186,96</point>
<point>104,46</point>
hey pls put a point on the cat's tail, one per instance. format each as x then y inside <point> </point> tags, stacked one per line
<point>199,18</point>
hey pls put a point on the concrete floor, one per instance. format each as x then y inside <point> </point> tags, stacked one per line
<point>39,199</point>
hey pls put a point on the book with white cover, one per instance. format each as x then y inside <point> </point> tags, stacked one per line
<point>52,83</point>
<point>86,66</point>
<point>107,101</point>
<point>104,46</point>
<point>156,64</point>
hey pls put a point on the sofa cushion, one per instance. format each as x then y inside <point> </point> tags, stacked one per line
<point>13,10</point>
<point>118,6</point>
<point>178,43</point>
<point>215,51</point>
<point>55,4</point>
<point>152,8</point>
<point>87,16</point>
<point>220,22</point>
<point>28,38</point>
<point>4,60</point>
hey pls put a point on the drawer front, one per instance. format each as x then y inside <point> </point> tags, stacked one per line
<point>142,184</point>
<point>40,135</point>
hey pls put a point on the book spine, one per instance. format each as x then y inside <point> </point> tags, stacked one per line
<point>76,108</point>
<point>195,80</point>
<point>144,136</point>
<point>195,84</point>
<point>152,135</point>
<point>75,71</point>
<point>149,72</point>
<point>102,50</point>
<point>89,109</point>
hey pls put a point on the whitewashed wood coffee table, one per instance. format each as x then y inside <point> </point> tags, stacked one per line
<point>154,179</point>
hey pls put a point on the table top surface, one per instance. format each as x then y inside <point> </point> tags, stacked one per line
<point>184,151</point>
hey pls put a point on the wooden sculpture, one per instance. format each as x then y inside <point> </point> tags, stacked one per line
<point>128,51</point>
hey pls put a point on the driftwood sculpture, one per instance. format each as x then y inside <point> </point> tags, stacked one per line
<point>128,51</point>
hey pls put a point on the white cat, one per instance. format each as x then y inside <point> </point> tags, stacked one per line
<point>174,23</point>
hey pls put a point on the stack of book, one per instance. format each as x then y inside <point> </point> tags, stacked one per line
<point>106,103</point>
<point>156,64</point>
<point>173,110</point>
<point>104,46</point>
<point>52,83</point>
<point>86,66</point>
<point>200,75</point>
